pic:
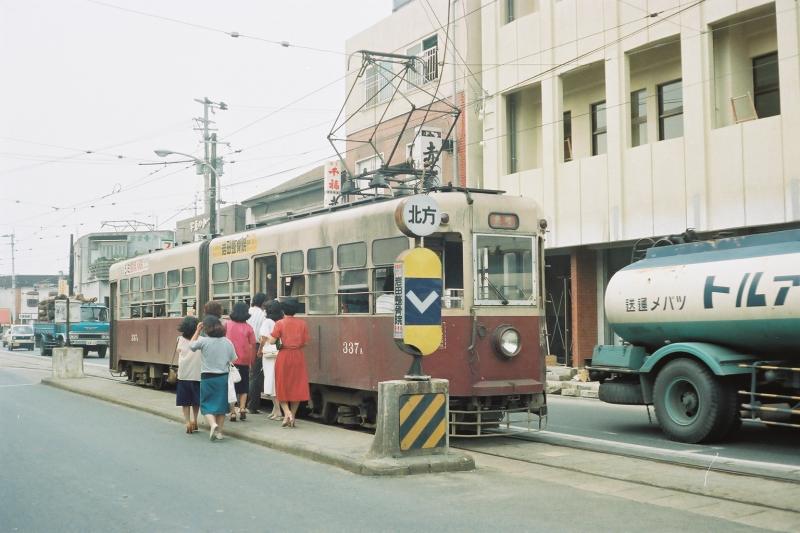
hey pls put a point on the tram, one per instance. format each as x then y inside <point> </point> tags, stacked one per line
<point>338,262</point>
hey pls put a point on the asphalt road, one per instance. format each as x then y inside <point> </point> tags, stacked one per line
<point>592,424</point>
<point>72,463</point>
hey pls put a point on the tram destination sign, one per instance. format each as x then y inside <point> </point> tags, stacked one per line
<point>418,216</point>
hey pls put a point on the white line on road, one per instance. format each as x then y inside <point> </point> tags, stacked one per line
<point>17,385</point>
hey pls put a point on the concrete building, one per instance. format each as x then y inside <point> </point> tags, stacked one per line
<point>624,121</point>
<point>303,193</point>
<point>231,220</point>
<point>30,289</point>
<point>96,252</point>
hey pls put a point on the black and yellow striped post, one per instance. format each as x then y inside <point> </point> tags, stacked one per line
<point>423,421</point>
<point>412,423</point>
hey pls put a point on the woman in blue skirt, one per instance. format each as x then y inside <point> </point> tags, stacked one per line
<point>217,354</point>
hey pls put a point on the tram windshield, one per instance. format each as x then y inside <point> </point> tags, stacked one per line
<point>504,270</point>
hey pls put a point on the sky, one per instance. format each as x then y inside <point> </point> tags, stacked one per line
<point>91,87</point>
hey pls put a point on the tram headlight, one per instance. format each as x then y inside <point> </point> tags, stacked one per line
<point>507,341</point>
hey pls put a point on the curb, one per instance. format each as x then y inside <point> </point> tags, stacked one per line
<point>357,464</point>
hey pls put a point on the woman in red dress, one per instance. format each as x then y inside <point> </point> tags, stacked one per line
<point>291,377</point>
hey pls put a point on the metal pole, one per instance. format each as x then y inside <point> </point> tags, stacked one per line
<point>212,187</point>
<point>13,283</point>
<point>206,176</point>
<point>455,98</point>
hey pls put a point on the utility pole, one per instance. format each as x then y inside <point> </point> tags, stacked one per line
<point>212,188</point>
<point>13,279</point>
<point>210,172</point>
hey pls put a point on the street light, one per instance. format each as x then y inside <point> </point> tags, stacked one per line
<point>211,192</point>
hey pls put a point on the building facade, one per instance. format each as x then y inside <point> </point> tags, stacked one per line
<point>231,220</point>
<point>23,301</point>
<point>94,253</point>
<point>624,121</point>
<point>300,194</point>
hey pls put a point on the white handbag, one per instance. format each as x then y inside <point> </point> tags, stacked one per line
<point>235,375</point>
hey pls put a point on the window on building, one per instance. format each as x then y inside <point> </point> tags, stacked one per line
<point>639,117</point>
<point>512,103</point>
<point>426,69</point>
<point>378,86</point>
<point>670,110</point>
<point>567,122</point>
<point>509,11</point>
<point>599,128</point>
<point>766,87</point>
<point>515,9</point>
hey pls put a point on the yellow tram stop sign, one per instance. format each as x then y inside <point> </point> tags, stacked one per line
<point>418,301</point>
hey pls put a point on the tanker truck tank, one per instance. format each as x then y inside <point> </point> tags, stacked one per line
<point>739,292</point>
<point>711,329</point>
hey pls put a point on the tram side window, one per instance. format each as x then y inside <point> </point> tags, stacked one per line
<point>221,286</point>
<point>385,252</point>
<point>136,298</point>
<point>159,294</point>
<point>321,283</point>
<point>293,281</point>
<point>147,296</point>
<point>188,278</point>
<point>353,278</point>
<point>174,293</point>
<point>124,309</point>
<point>240,285</point>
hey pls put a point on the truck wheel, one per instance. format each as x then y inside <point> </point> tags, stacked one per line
<point>692,404</point>
<point>101,351</point>
<point>621,392</point>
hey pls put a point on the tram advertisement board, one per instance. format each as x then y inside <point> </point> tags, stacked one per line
<point>418,300</point>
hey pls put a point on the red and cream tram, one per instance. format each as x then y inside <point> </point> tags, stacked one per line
<point>338,263</point>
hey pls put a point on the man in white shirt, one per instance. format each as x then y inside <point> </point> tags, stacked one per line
<point>257,316</point>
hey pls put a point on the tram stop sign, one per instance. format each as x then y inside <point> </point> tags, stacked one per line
<point>418,300</point>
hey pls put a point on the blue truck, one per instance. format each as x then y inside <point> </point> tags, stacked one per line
<point>69,322</point>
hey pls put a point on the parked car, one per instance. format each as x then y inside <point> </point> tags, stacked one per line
<point>20,336</point>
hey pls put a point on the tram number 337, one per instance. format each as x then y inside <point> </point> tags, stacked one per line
<point>352,348</point>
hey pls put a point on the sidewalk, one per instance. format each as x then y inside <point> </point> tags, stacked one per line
<point>331,445</point>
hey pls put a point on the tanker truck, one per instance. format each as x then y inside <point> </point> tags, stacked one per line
<point>711,333</point>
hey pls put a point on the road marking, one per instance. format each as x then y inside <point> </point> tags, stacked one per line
<point>17,385</point>
<point>422,305</point>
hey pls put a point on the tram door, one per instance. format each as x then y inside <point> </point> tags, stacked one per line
<point>266,275</point>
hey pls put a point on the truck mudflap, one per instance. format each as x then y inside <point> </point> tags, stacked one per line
<point>765,404</point>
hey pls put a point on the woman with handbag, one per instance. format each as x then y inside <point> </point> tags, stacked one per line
<point>240,333</point>
<point>268,353</point>
<point>216,355</point>
<point>291,376</point>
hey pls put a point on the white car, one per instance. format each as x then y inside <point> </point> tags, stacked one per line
<point>19,336</point>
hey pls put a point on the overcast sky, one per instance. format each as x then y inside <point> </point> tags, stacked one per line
<point>117,79</point>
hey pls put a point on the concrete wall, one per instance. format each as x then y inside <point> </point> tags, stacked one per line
<point>719,175</point>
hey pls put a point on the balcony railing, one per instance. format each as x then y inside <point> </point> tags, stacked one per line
<point>426,68</point>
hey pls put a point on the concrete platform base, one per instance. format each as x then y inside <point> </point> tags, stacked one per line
<point>67,363</point>
<point>423,464</point>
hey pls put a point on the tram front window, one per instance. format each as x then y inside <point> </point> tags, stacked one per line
<point>504,270</point>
